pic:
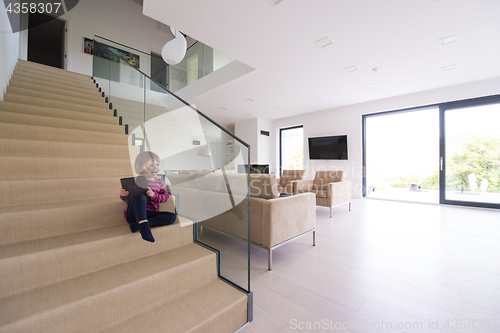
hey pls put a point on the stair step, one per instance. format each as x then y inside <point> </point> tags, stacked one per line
<point>8,97</point>
<point>54,79</point>
<point>106,118</point>
<point>93,91</point>
<point>54,149</point>
<point>39,191</point>
<point>30,132</point>
<point>48,261</point>
<point>87,303</point>
<point>27,119</point>
<point>41,67</point>
<point>25,168</point>
<point>30,222</point>
<point>26,71</point>
<point>94,96</point>
<point>213,307</point>
<point>57,97</point>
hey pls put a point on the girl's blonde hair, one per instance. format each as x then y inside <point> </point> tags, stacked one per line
<point>144,158</point>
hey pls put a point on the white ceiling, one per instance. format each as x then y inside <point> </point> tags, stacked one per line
<point>399,37</point>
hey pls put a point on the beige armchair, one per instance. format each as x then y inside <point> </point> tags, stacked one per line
<point>278,220</point>
<point>329,187</point>
<point>285,183</point>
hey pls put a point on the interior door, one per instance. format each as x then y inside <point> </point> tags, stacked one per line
<point>470,153</point>
<point>46,40</point>
<point>159,70</point>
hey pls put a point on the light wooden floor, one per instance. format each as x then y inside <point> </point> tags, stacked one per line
<point>384,263</point>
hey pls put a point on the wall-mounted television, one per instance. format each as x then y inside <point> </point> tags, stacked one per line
<point>328,148</point>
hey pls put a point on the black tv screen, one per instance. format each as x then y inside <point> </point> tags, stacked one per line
<point>328,148</point>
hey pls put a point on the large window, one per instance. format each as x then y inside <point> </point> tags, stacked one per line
<point>402,155</point>
<point>447,153</point>
<point>291,148</point>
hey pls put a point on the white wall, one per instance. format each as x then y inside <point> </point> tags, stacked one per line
<point>263,142</point>
<point>120,21</point>
<point>9,51</point>
<point>347,120</point>
<point>246,131</point>
<point>249,131</point>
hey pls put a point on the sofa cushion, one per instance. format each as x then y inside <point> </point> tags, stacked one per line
<point>289,175</point>
<point>263,186</point>
<point>210,182</point>
<point>324,177</point>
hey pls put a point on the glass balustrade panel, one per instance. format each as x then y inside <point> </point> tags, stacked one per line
<point>200,162</point>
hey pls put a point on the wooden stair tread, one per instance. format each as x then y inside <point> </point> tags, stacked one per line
<point>93,91</point>
<point>195,311</point>
<point>29,100</point>
<point>43,121</point>
<point>94,96</point>
<point>57,97</point>
<point>43,262</point>
<point>106,283</point>
<point>38,66</point>
<point>107,116</point>
<point>50,206</point>
<point>54,149</point>
<point>32,132</point>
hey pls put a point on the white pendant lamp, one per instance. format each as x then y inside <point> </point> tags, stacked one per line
<point>174,51</point>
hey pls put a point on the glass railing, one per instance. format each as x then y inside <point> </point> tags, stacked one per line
<point>199,61</point>
<point>203,164</point>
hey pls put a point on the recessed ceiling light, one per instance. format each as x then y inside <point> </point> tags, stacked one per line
<point>324,42</point>
<point>369,86</point>
<point>351,69</point>
<point>447,40</point>
<point>448,68</point>
<point>249,115</point>
<point>250,100</point>
<point>222,108</point>
<point>276,108</point>
<point>275,2</point>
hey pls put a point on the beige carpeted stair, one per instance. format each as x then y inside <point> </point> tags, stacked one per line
<point>68,261</point>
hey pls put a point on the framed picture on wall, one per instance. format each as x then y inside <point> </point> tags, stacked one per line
<point>88,45</point>
<point>116,54</point>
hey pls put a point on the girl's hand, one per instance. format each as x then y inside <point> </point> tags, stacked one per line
<point>150,193</point>
<point>123,193</point>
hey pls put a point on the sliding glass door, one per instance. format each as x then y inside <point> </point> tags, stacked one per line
<point>470,153</point>
<point>447,153</point>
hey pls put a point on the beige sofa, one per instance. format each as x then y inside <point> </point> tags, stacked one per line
<point>273,220</point>
<point>329,187</point>
<point>285,183</point>
<point>278,220</point>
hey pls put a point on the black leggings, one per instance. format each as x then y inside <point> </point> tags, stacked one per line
<point>137,211</point>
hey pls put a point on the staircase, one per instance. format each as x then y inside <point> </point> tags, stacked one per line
<point>68,262</point>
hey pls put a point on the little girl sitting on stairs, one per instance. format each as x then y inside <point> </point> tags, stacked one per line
<point>144,211</point>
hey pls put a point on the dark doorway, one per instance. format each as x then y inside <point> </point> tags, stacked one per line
<point>159,70</point>
<point>46,40</point>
